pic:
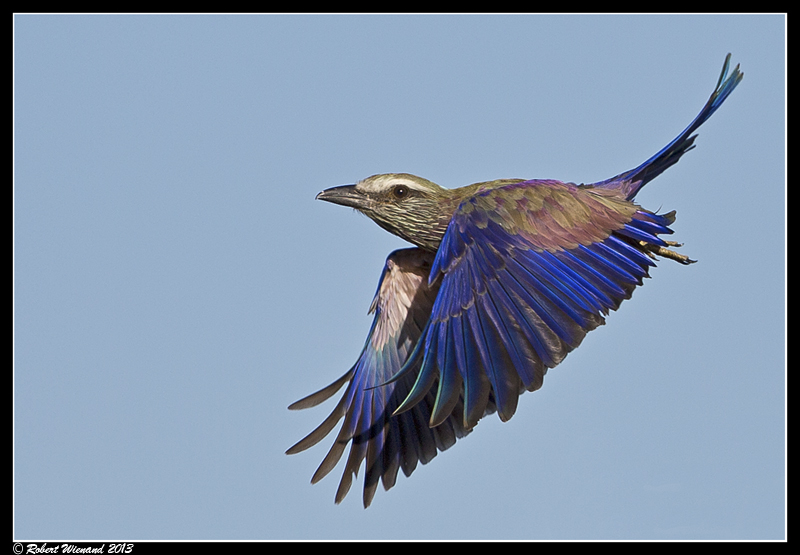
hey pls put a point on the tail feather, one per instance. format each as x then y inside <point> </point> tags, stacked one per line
<point>633,180</point>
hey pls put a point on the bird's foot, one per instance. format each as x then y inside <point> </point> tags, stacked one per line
<point>653,250</point>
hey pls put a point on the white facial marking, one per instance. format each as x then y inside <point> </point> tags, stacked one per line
<point>386,182</point>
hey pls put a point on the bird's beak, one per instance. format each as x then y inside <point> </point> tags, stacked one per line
<point>346,195</point>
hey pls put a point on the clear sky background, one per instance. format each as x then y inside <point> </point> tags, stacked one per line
<point>177,285</point>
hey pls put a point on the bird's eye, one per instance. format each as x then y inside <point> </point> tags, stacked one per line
<point>401,191</point>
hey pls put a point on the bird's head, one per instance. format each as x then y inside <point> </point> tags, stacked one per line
<point>408,206</point>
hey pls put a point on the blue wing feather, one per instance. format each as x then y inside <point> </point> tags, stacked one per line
<point>514,310</point>
<point>386,442</point>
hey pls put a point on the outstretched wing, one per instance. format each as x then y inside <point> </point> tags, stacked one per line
<point>526,270</point>
<point>402,306</point>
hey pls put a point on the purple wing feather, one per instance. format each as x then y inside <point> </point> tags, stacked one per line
<point>526,271</point>
<point>388,442</point>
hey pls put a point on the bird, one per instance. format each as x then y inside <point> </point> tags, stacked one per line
<point>503,280</point>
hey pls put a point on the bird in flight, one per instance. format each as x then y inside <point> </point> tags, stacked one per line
<point>506,277</point>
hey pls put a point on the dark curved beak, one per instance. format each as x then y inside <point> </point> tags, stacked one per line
<point>346,195</point>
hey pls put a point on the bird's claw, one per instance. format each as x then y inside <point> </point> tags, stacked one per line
<point>653,250</point>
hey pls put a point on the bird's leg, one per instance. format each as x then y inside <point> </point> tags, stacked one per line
<point>652,250</point>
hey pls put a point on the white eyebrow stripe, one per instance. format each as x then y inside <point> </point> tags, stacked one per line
<point>385,183</point>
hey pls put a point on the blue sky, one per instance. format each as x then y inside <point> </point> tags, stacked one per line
<point>176,286</point>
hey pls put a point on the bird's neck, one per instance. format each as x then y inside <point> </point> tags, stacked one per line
<point>430,230</point>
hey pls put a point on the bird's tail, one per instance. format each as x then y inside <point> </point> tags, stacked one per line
<point>633,180</point>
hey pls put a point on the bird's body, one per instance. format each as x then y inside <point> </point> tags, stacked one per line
<point>506,278</point>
